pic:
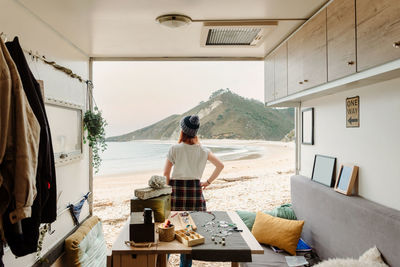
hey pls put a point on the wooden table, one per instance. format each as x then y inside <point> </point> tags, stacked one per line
<point>124,255</point>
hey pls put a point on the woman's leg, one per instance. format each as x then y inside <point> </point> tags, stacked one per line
<point>186,260</point>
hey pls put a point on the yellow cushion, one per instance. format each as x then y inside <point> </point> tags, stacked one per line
<point>278,232</point>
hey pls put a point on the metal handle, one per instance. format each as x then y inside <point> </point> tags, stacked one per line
<point>300,82</point>
<point>396,44</point>
<point>350,63</point>
<point>306,81</point>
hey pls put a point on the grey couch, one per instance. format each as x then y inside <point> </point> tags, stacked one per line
<point>339,226</point>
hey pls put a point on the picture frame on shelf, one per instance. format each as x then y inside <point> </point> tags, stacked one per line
<point>307,129</point>
<point>346,179</point>
<point>324,170</point>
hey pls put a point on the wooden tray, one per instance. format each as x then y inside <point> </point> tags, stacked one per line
<point>183,221</point>
<point>189,241</point>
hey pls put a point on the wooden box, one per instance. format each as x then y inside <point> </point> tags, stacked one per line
<point>192,240</point>
<point>139,232</point>
<point>161,206</point>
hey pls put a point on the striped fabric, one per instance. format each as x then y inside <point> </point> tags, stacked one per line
<point>187,195</point>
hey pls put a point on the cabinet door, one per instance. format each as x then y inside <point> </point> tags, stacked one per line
<point>295,69</point>
<point>314,58</point>
<point>307,55</point>
<point>281,72</point>
<point>295,65</point>
<point>269,79</point>
<point>341,33</point>
<point>378,32</point>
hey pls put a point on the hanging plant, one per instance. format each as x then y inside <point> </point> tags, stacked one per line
<point>94,124</point>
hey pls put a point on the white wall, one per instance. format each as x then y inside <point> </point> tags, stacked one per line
<point>72,179</point>
<point>374,147</point>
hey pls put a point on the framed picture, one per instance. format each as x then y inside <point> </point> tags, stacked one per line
<point>307,130</point>
<point>324,170</point>
<point>346,179</point>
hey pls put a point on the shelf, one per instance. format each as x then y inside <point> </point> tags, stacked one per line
<point>377,74</point>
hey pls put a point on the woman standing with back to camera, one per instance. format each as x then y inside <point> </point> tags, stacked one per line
<point>189,159</point>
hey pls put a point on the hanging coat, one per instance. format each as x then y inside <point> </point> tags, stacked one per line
<point>19,143</point>
<point>44,209</point>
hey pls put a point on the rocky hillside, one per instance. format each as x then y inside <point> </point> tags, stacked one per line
<point>225,115</point>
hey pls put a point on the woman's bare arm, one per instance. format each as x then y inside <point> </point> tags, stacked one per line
<point>167,169</point>
<point>218,168</point>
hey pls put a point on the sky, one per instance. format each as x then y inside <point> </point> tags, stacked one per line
<point>135,94</point>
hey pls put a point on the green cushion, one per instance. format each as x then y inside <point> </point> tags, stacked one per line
<point>284,211</point>
<point>247,217</point>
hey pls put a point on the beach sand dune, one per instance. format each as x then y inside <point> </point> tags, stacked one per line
<point>255,182</point>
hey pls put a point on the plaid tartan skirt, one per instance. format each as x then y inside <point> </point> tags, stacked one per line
<point>187,195</point>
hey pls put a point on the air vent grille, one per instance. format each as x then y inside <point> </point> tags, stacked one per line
<point>232,36</point>
<point>236,33</point>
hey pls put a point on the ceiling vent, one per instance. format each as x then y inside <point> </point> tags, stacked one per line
<point>235,34</point>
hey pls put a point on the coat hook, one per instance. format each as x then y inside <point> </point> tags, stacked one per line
<point>3,35</point>
<point>51,231</point>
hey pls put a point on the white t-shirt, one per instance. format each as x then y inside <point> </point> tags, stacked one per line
<point>189,161</point>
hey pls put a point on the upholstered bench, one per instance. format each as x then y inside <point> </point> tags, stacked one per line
<point>86,246</point>
<point>339,226</point>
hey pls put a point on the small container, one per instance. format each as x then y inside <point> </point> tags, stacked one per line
<point>147,215</point>
<point>166,234</point>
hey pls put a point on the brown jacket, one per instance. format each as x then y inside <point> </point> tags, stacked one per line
<point>19,142</point>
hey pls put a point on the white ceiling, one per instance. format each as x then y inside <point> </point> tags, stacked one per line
<point>127,28</point>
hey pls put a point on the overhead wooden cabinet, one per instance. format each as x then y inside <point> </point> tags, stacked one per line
<point>295,63</point>
<point>307,63</point>
<point>378,32</point>
<point>341,34</point>
<point>281,72</point>
<point>269,79</point>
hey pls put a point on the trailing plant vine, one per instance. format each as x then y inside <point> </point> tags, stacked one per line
<point>94,124</point>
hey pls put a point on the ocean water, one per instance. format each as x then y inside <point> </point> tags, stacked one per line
<point>138,156</point>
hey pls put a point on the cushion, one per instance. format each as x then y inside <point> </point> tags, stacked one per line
<point>248,217</point>
<point>284,211</point>
<point>371,258</point>
<point>282,233</point>
<point>86,246</point>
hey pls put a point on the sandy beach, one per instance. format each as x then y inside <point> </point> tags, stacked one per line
<point>258,181</point>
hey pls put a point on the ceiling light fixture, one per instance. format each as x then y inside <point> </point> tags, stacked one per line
<point>173,20</point>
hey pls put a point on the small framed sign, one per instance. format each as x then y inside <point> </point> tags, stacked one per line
<point>353,112</point>
<point>307,129</point>
<point>324,170</point>
<point>346,179</point>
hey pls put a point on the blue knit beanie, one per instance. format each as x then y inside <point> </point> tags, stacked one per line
<point>190,125</point>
